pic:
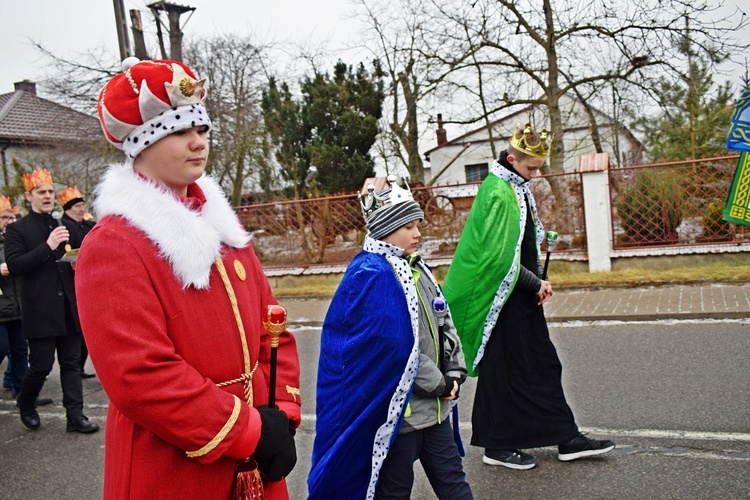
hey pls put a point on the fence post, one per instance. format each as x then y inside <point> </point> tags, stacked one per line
<point>597,209</point>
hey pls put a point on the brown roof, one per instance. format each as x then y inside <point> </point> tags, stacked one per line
<point>26,118</point>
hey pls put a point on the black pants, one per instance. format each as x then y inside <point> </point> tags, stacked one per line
<point>13,344</point>
<point>41,359</point>
<point>84,354</point>
<point>436,450</point>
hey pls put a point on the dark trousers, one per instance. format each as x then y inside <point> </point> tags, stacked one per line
<point>436,450</point>
<point>41,359</point>
<point>84,354</point>
<point>13,344</point>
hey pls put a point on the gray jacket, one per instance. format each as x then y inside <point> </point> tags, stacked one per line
<point>426,408</point>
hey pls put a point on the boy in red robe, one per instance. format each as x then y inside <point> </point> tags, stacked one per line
<point>171,297</point>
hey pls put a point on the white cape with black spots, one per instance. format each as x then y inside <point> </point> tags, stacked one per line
<point>523,193</point>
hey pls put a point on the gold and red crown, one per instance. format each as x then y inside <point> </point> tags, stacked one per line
<point>69,193</point>
<point>5,203</point>
<point>36,178</point>
<point>538,150</point>
<point>144,91</point>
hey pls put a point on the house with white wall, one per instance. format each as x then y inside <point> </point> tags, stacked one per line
<point>467,158</point>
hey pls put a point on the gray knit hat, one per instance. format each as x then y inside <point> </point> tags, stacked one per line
<point>388,210</point>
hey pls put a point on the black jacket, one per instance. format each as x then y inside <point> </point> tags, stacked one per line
<point>82,227</point>
<point>46,284</point>
<point>10,299</point>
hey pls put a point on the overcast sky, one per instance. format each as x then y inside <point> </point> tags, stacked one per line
<point>70,28</point>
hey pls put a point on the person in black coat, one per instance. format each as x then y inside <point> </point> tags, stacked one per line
<point>74,207</point>
<point>33,246</point>
<point>12,342</point>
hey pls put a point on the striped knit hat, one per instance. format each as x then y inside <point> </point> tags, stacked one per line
<point>390,209</point>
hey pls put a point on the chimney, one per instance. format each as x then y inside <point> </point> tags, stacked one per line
<point>26,85</point>
<point>442,135</point>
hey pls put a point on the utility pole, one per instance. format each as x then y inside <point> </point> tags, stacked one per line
<point>122,30</point>
<point>138,40</point>
<point>174,12</point>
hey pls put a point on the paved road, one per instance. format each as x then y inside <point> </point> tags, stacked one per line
<point>672,393</point>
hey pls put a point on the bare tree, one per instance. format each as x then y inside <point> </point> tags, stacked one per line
<point>397,28</point>
<point>501,53</point>
<point>234,67</point>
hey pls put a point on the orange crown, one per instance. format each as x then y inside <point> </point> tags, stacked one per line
<point>36,178</point>
<point>5,203</point>
<point>69,193</point>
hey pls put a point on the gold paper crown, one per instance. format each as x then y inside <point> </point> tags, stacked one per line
<point>373,201</point>
<point>539,150</point>
<point>5,203</point>
<point>36,178</point>
<point>69,193</point>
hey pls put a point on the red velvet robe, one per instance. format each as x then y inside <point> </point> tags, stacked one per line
<point>160,349</point>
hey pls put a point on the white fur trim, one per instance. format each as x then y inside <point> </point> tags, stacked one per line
<point>189,240</point>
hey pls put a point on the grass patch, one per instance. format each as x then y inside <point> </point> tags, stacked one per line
<point>314,286</point>
<point>709,273</point>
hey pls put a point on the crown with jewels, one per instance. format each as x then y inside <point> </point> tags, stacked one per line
<point>373,201</point>
<point>68,194</point>
<point>36,178</point>
<point>150,100</point>
<point>538,150</point>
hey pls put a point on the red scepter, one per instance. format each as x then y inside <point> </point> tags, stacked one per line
<point>274,323</point>
<point>247,482</point>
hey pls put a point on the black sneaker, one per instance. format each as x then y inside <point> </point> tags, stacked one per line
<point>512,459</point>
<point>581,446</point>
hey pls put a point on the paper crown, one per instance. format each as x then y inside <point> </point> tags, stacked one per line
<point>148,101</point>
<point>69,194</point>
<point>538,150</point>
<point>373,201</point>
<point>36,178</point>
<point>5,203</point>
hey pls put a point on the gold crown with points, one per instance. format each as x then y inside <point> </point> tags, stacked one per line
<point>373,201</point>
<point>68,194</point>
<point>5,203</point>
<point>36,178</point>
<point>538,150</point>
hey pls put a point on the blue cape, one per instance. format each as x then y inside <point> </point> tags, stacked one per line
<point>368,362</point>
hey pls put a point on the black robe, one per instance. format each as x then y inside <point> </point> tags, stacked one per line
<point>519,399</point>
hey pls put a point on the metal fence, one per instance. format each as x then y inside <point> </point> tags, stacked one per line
<point>331,230</point>
<point>676,204</point>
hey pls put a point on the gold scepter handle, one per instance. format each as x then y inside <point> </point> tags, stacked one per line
<point>274,323</point>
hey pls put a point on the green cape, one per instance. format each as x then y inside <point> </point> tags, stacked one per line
<point>484,262</point>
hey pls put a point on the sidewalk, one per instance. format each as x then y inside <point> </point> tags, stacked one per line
<point>710,301</point>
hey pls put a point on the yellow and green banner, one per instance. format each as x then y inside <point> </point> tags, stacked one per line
<point>737,208</point>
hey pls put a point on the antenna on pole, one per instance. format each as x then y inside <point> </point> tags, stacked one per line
<point>174,12</point>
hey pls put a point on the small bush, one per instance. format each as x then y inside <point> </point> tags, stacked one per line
<point>714,225</point>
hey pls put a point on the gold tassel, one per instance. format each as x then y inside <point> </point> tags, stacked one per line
<point>247,482</point>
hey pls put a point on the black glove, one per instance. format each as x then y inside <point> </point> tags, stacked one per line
<point>449,386</point>
<point>275,453</point>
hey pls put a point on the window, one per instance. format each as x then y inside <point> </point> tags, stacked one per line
<point>477,172</point>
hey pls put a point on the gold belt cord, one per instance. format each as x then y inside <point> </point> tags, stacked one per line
<point>247,377</point>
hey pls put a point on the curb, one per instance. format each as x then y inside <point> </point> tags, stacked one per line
<point>651,317</point>
<point>731,315</point>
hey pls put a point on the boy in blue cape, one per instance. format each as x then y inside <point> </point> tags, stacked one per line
<point>384,395</point>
